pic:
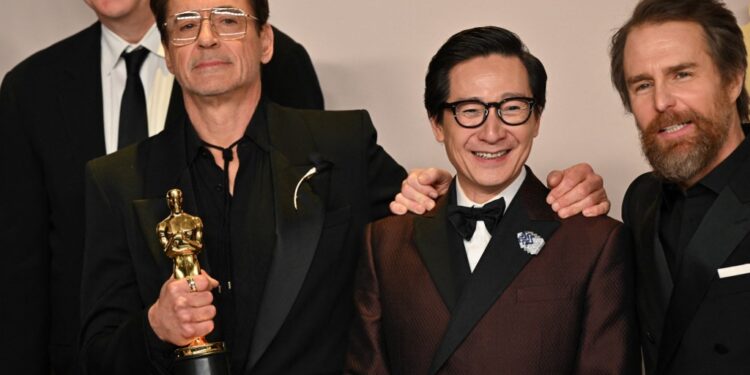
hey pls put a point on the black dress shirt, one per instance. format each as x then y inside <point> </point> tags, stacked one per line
<point>683,210</point>
<point>241,266</point>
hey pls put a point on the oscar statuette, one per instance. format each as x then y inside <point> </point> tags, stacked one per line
<point>181,236</point>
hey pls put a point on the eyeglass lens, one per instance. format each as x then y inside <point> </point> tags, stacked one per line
<point>227,23</point>
<point>511,112</point>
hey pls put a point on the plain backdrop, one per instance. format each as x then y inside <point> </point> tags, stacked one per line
<point>374,55</point>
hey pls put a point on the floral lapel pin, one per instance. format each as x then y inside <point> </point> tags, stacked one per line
<point>530,242</point>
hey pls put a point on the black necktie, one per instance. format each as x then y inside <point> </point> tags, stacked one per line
<point>464,219</point>
<point>133,118</point>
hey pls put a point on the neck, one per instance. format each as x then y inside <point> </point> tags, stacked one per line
<point>131,28</point>
<point>221,120</point>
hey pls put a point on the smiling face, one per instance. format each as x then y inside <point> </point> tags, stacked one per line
<point>211,66</point>
<point>685,112</point>
<point>488,158</point>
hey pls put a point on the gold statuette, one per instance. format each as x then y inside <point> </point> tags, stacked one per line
<point>181,235</point>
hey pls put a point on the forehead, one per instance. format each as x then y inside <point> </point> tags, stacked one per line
<point>177,6</point>
<point>664,45</point>
<point>489,77</point>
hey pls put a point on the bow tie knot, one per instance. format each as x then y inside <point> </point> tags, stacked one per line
<point>464,219</point>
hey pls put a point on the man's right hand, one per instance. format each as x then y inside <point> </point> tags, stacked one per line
<point>180,315</point>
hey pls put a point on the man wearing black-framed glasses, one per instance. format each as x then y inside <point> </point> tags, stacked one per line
<point>496,281</point>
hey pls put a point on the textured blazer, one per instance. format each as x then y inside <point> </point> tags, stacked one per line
<point>566,310</point>
<point>306,307</point>
<point>698,323</point>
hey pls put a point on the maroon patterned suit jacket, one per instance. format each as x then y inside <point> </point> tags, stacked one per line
<point>567,310</point>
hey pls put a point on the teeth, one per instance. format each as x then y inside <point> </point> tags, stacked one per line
<point>674,128</point>
<point>490,155</point>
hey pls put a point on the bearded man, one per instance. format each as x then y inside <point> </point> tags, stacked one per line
<point>679,67</point>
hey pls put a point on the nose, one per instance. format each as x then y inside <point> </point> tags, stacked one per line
<point>206,36</point>
<point>663,98</point>
<point>493,128</point>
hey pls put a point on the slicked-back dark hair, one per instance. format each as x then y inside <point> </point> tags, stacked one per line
<point>159,8</point>
<point>723,37</point>
<point>479,42</point>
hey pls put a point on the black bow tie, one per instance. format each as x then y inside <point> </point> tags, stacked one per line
<point>464,219</point>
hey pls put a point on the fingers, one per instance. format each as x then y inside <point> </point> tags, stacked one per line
<point>179,315</point>
<point>554,178</point>
<point>577,189</point>
<point>594,204</point>
<point>420,189</point>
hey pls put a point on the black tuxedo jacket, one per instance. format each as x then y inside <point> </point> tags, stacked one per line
<point>697,324</point>
<point>51,125</point>
<point>567,310</point>
<point>306,307</point>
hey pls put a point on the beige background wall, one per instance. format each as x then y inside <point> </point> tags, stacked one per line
<point>374,54</point>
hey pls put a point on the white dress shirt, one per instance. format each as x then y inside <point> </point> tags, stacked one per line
<point>475,247</point>
<point>156,79</point>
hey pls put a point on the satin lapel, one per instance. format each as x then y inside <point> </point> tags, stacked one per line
<point>656,284</point>
<point>163,161</point>
<point>500,264</point>
<point>432,240</point>
<point>80,95</point>
<point>726,223</point>
<point>297,230</point>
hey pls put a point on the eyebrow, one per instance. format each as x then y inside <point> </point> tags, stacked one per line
<point>504,96</point>
<point>668,70</point>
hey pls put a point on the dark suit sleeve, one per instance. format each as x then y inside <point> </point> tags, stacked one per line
<point>384,175</point>
<point>115,336</point>
<point>609,337</point>
<point>24,229</point>
<point>366,353</point>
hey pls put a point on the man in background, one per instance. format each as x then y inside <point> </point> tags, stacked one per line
<point>60,108</point>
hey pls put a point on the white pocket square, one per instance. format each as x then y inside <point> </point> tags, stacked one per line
<point>734,270</point>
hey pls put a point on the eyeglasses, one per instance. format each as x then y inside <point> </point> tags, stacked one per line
<point>473,113</point>
<point>227,23</point>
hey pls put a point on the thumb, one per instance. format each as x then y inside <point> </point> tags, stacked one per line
<point>554,178</point>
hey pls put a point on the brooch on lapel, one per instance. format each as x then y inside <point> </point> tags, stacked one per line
<point>320,165</point>
<point>530,242</point>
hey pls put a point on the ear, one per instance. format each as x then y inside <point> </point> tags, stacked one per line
<point>266,43</point>
<point>437,129</point>
<point>167,57</point>
<point>537,123</point>
<point>735,86</point>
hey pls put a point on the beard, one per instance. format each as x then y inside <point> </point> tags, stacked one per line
<point>680,160</point>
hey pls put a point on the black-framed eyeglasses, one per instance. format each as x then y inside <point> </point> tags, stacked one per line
<point>227,23</point>
<point>473,113</point>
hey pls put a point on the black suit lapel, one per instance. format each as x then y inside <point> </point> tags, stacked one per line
<point>726,223</point>
<point>163,160</point>
<point>655,281</point>
<point>500,264</point>
<point>297,230</point>
<point>80,95</point>
<point>432,235</point>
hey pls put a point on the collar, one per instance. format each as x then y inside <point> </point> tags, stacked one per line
<point>256,132</point>
<point>113,46</point>
<point>508,193</point>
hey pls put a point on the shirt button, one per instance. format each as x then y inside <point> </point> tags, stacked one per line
<point>650,337</point>
<point>219,187</point>
<point>721,349</point>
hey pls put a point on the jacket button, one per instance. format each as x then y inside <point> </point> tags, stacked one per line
<point>721,349</point>
<point>650,337</point>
